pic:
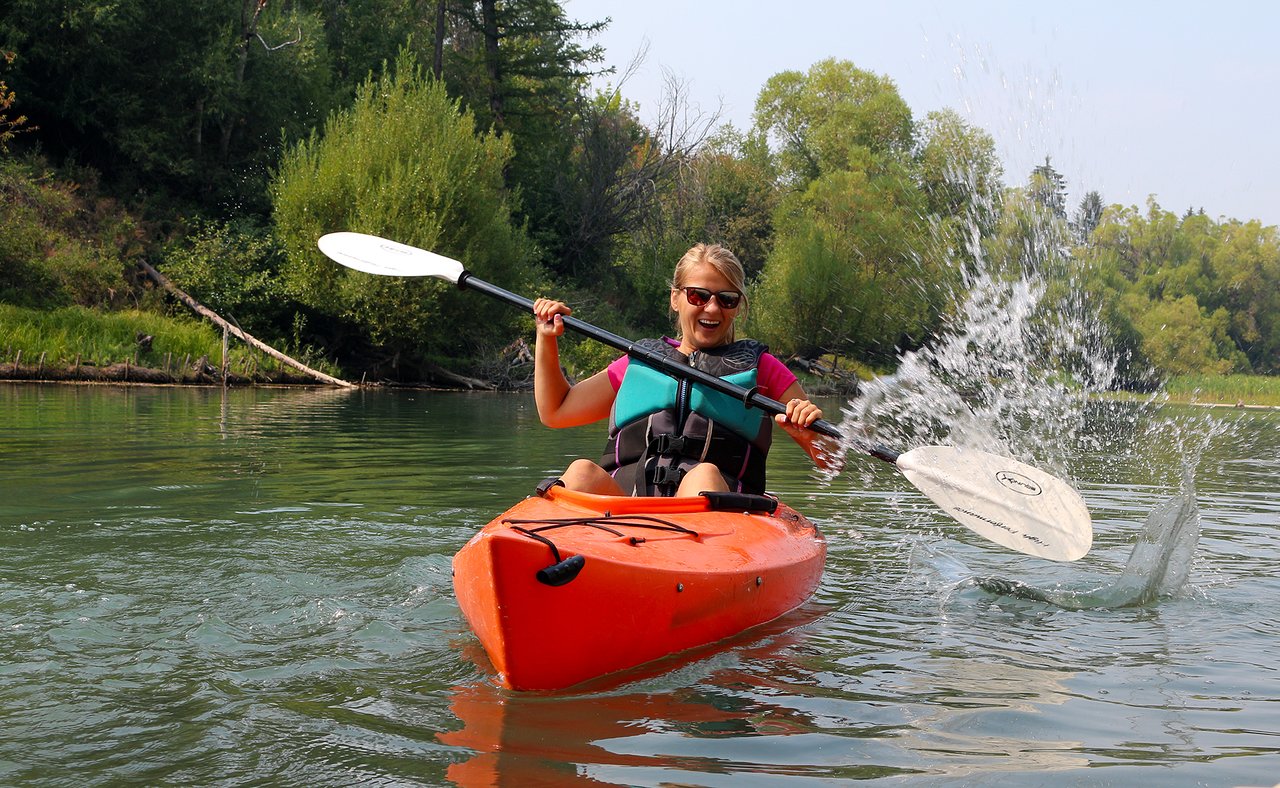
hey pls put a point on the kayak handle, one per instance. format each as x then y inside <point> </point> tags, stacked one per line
<point>739,502</point>
<point>561,573</point>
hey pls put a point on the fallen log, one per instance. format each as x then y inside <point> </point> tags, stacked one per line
<point>462,380</point>
<point>227,327</point>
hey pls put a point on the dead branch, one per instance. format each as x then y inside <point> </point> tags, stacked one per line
<point>213,317</point>
<point>270,48</point>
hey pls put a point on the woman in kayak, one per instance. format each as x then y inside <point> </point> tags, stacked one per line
<point>665,436</point>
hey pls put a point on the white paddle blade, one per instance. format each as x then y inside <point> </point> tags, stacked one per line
<point>1003,500</point>
<point>374,255</point>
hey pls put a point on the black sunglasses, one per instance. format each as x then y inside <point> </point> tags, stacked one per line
<point>699,296</point>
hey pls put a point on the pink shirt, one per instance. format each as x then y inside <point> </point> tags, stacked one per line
<point>773,377</point>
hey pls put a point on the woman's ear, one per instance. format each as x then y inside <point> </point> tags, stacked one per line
<point>675,304</point>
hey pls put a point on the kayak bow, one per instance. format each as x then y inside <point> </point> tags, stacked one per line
<point>567,586</point>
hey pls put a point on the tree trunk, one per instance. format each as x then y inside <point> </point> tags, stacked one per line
<point>249,10</point>
<point>489,14</point>
<point>437,62</point>
<point>199,128</point>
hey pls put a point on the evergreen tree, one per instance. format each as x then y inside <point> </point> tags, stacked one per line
<point>1088,216</point>
<point>1049,188</point>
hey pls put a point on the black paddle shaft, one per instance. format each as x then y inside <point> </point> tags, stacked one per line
<point>750,397</point>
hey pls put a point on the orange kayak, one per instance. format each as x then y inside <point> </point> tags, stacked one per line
<point>566,586</point>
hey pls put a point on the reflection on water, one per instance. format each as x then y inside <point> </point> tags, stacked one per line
<point>255,587</point>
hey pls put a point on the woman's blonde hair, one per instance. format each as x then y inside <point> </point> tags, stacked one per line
<point>724,261</point>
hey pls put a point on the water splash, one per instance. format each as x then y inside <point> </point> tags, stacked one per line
<point>1013,373</point>
<point>1158,566</point>
<point>1025,369</point>
<point>1160,561</point>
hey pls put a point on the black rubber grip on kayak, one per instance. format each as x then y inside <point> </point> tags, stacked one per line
<point>561,573</point>
<point>739,502</point>
<point>547,484</point>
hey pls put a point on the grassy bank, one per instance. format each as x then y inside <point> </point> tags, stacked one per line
<point>79,336</point>
<point>1225,389</point>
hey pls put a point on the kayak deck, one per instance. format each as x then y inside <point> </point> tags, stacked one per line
<point>568,586</point>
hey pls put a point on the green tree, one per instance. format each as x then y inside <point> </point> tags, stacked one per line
<point>819,119</point>
<point>959,168</point>
<point>363,38</point>
<point>604,188</point>
<point>517,62</point>
<point>1029,266</point>
<point>180,96</point>
<point>404,162</point>
<point>740,196</point>
<point>1102,283</point>
<point>233,268</point>
<point>10,123</point>
<point>1179,337</point>
<point>960,173</point>
<point>723,192</point>
<point>1031,240</point>
<point>1246,266</point>
<point>268,81</point>
<point>61,242</point>
<point>869,247</point>
<point>523,67</point>
<point>616,178</point>
<point>853,268</point>
<point>1201,295</point>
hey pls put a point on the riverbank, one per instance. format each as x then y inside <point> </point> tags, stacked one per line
<point>75,344</point>
<point>1259,392</point>
<point>197,373</point>
<point>1225,390</point>
<point>79,345</point>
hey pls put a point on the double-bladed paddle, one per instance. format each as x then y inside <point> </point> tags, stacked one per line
<point>1000,499</point>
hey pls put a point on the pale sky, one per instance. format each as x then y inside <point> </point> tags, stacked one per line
<point>1175,99</point>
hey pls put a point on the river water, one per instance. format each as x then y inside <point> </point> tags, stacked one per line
<point>254,586</point>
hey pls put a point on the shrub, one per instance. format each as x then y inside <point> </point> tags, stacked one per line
<point>405,163</point>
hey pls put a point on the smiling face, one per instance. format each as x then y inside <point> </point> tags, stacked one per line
<point>709,325</point>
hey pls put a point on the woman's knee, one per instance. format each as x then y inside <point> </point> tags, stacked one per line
<point>703,477</point>
<point>584,466</point>
<point>587,476</point>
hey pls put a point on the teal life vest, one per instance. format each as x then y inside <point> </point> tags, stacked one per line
<point>660,427</point>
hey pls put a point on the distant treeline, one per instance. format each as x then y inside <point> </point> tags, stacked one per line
<point>218,141</point>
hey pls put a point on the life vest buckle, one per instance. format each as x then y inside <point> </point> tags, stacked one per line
<point>666,474</point>
<point>667,443</point>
